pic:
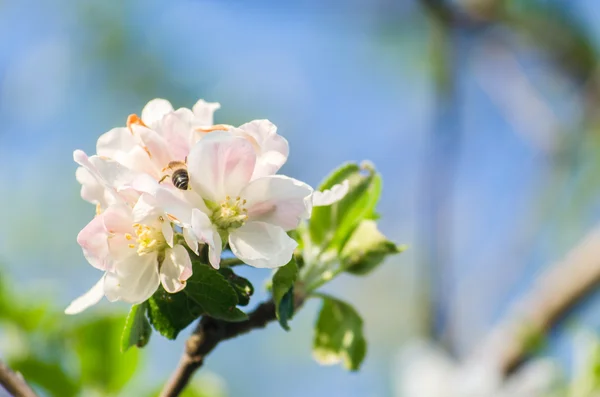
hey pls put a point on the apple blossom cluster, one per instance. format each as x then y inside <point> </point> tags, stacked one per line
<point>172,182</point>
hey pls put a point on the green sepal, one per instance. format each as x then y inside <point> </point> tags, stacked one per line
<point>366,249</point>
<point>331,226</point>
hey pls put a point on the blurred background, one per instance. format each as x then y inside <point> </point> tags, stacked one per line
<point>481,116</point>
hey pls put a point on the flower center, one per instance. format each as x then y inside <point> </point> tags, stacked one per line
<point>149,239</point>
<point>230,214</point>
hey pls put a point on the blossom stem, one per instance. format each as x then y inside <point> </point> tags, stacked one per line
<point>325,277</point>
<point>208,334</point>
<point>230,262</point>
<point>14,382</point>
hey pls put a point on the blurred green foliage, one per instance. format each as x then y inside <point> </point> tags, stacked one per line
<point>64,356</point>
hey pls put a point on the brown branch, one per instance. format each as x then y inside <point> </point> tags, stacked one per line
<point>14,382</point>
<point>561,287</point>
<point>208,334</point>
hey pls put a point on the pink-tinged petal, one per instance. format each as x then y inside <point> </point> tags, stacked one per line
<point>279,200</point>
<point>88,299</point>
<point>93,240</point>
<point>330,196</point>
<point>144,183</point>
<point>191,240</point>
<point>206,232</point>
<point>175,269</point>
<point>262,245</point>
<point>155,110</point>
<point>176,129</point>
<point>157,146</point>
<point>115,140</point>
<point>121,246</point>
<point>204,112</point>
<point>134,279</point>
<point>118,219</point>
<point>220,165</point>
<point>272,149</point>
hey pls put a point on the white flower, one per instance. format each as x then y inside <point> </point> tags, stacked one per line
<point>135,247</point>
<point>252,215</point>
<point>164,135</point>
<point>233,198</point>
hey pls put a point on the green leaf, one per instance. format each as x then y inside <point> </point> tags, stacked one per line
<point>213,293</point>
<point>243,288</point>
<point>331,226</point>
<point>283,294</point>
<point>169,313</point>
<point>320,222</point>
<point>102,365</point>
<point>366,249</point>
<point>339,335</point>
<point>137,328</point>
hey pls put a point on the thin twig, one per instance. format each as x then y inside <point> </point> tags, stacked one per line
<point>555,293</point>
<point>14,382</point>
<point>208,334</point>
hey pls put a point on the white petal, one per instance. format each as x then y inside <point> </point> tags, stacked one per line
<point>175,269</point>
<point>134,280</point>
<point>109,173</point>
<point>138,159</point>
<point>155,110</point>
<point>146,210</point>
<point>172,204</point>
<point>330,196</point>
<point>91,190</point>
<point>278,200</point>
<point>204,111</point>
<point>116,140</point>
<point>220,164</point>
<point>206,232</point>
<point>191,240</point>
<point>167,231</point>
<point>272,149</point>
<point>88,299</point>
<point>260,244</point>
